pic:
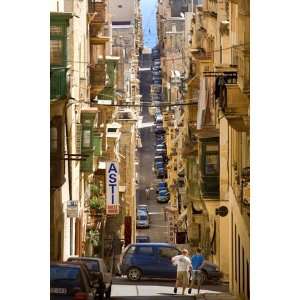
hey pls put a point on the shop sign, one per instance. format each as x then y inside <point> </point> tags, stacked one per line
<point>171,227</point>
<point>72,209</point>
<point>112,188</point>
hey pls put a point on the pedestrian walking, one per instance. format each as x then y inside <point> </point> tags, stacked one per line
<point>184,266</point>
<point>147,191</point>
<point>197,263</point>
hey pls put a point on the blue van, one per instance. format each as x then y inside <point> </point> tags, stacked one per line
<point>149,260</point>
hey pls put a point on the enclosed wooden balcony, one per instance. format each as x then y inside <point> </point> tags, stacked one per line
<point>97,78</point>
<point>58,82</point>
<point>201,54</point>
<point>97,11</point>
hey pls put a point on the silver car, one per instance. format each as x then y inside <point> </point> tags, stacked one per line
<point>142,220</point>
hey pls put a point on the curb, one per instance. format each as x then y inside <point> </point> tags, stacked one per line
<point>212,296</point>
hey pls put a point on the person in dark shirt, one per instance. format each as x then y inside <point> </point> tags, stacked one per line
<point>197,263</point>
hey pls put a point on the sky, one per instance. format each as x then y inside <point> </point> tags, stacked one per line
<point>149,22</point>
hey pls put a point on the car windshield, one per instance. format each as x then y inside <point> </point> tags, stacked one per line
<point>142,217</point>
<point>61,276</point>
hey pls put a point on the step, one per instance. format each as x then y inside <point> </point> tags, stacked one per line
<point>213,296</point>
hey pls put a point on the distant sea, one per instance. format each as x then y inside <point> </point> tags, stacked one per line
<point>149,8</point>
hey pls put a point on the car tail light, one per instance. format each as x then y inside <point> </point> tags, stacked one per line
<point>81,296</point>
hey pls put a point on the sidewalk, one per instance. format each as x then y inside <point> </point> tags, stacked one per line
<point>213,296</point>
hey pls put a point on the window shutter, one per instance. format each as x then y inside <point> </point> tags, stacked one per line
<point>97,142</point>
<point>78,138</point>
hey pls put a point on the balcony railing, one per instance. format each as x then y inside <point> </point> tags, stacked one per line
<point>58,82</point>
<point>98,75</point>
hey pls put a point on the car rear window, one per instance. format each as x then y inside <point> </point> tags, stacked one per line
<point>145,250</point>
<point>130,250</point>
<point>92,265</point>
<point>167,252</point>
<point>61,276</point>
<point>142,217</point>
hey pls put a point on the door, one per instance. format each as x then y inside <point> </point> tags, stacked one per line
<point>145,259</point>
<point>167,269</point>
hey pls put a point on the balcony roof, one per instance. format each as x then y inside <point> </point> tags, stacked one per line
<point>99,40</point>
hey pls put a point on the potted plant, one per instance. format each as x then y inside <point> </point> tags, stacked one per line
<point>97,200</point>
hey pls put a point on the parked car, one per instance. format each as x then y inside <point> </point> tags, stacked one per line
<point>157,81</point>
<point>161,173</point>
<point>71,282</point>
<point>159,131</point>
<point>152,260</point>
<point>163,197</point>
<point>162,189</point>
<point>142,220</point>
<point>156,68</point>
<point>156,78</point>
<point>158,158</point>
<point>142,239</point>
<point>210,271</point>
<point>99,270</point>
<point>143,207</point>
<point>160,150</point>
<point>161,185</point>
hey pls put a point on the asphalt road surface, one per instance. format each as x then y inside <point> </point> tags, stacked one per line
<point>158,228</point>
<point>123,289</point>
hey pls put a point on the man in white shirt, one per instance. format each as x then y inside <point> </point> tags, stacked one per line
<point>184,265</point>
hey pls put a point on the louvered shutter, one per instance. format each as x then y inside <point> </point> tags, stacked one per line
<point>78,138</point>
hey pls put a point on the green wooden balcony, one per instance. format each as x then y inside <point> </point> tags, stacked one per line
<point>58,82</point>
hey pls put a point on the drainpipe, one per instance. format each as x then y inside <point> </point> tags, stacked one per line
<point>69,174</point>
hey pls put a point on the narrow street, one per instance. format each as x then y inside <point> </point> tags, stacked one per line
<point>158,230</point>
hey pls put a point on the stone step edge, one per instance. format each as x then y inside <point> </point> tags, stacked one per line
<point>212,296</point>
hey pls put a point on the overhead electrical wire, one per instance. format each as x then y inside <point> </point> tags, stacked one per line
<point>182,57</point>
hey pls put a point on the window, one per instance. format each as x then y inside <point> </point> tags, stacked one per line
<point>57,44</point>
<point>131,250</point>
<point>86,138</point>
<point>145,250</point>
<point>166,252</point>
<point>211,159</point>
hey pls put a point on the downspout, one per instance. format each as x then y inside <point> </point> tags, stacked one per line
<point>69,174</point>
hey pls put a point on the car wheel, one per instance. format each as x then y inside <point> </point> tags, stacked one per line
<point>203,277</point>
<point>108,293</point>
<point>134,274</point>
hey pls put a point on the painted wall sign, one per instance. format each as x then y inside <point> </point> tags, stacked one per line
<point>112,188</point>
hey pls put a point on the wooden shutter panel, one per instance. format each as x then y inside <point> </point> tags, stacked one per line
<point>78,138</point>
<point>57,164</point>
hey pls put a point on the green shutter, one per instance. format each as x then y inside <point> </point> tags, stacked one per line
<point>86,165</point>
<point>97,143</point>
